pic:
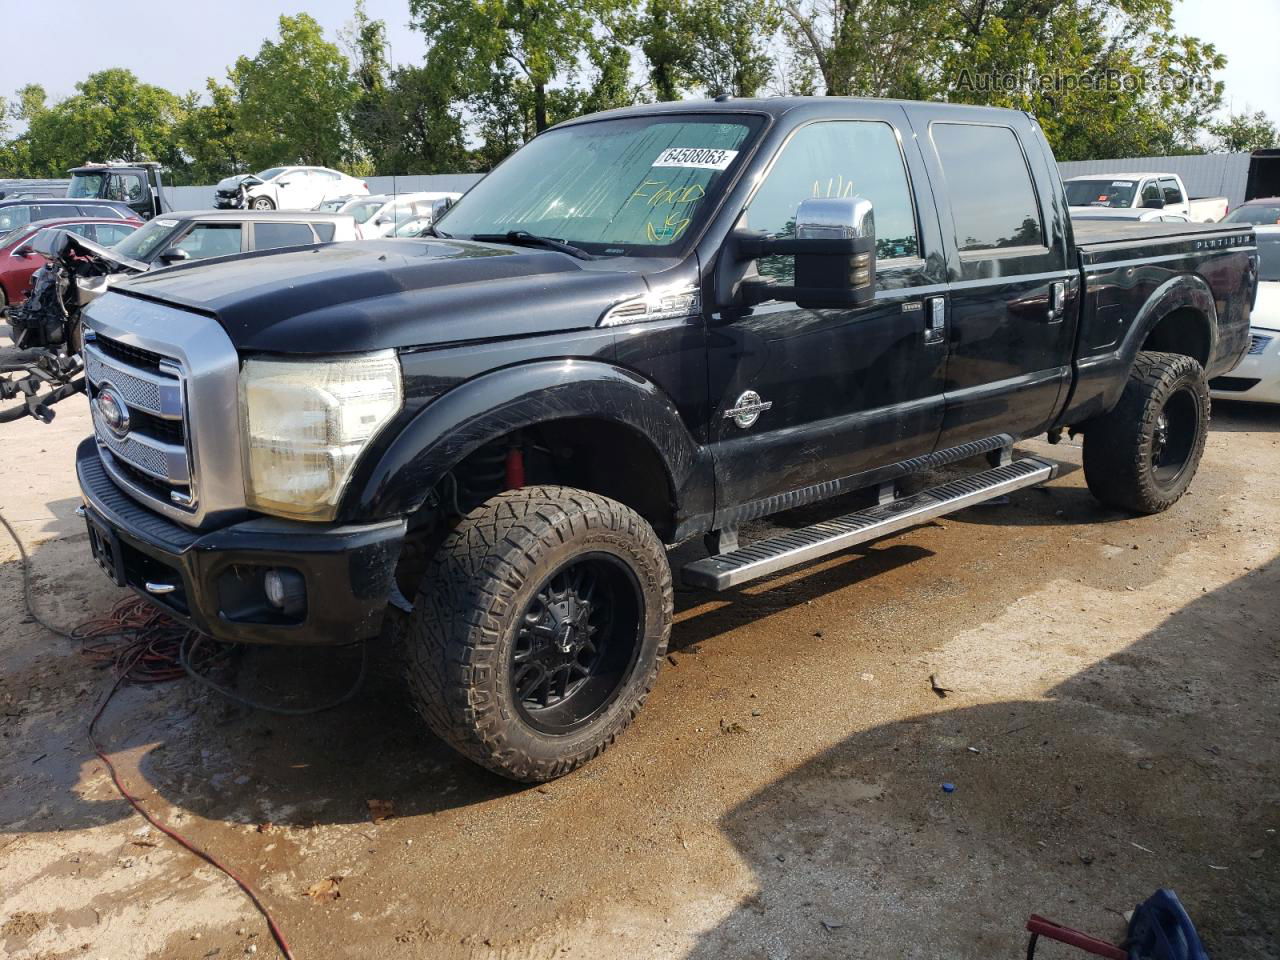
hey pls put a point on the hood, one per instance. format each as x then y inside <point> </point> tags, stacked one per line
<point>371,295</point>
<point>231,184</point>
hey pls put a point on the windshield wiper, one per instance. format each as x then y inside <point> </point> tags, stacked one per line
<point>533,240</point>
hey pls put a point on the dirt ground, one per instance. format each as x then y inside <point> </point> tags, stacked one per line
<point>1112,727</point>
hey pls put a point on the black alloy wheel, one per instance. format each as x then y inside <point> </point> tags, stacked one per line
<point>577,641</point>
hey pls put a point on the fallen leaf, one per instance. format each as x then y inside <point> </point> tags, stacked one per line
<point>326,889</point>
<point>380,810</point>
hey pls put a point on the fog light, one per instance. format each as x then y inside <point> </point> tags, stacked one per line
<point>286,590</point>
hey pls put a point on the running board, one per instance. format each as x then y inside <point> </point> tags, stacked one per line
<point>764,557</point>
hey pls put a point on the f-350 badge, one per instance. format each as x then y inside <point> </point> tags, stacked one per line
<point>747,408</point>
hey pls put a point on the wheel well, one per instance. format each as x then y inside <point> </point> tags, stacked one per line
<point>1184,331</point>
<point>601,456</point>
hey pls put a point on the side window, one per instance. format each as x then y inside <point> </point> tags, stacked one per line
<point>1172,192</point>
<point>324,231</point>
<point>841,158</point>
<point>52,211</point>
<point>89,210</point>
<point>211,240</point>
<point>109,234</point>
<point>126,187</point>
<point>270,235</point>
<point>16,215</point>
<point>993,201</point>
<point>1151,191</point>
<point>86,230</point>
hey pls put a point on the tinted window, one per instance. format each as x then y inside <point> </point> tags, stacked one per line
<point>52,211</point>
<point>992,199</point>
<point>145,242</point>
<point>1269,255</point>
<point>324,231</point>
<point>1151,191</point>
<point>1172,193</point>
<point>86,185</point>
<point>268,236</point>
<point>211,240</point>
<point>838,159</point>
<point>94,211</point>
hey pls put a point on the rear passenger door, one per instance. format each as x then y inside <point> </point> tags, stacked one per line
<point>272,235</point>
<point>1011,322</point>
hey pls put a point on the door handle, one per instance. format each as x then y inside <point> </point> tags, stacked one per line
<point>935,329</point>
<point>1057,300</point>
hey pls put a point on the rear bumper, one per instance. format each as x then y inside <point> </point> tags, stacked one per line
<point>214,580</point>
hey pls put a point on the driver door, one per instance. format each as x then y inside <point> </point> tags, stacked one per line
<point>842,391</point>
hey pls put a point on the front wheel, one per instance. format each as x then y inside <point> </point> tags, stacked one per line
<point>538,630</point>
<point>1143,454</point>
<point>262,203</point>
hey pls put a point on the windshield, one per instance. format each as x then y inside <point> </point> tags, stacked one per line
<point>1269,255</point>
<point>362,210</point>
<point>629,187</point>
<point>1257,213</point>
<point>86,185</point>
<point>270,174</point>
<point>1100,193</point>
<point>145,241</point>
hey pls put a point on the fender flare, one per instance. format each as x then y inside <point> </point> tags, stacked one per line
<point>1184,290</point>
<point>494,404</point>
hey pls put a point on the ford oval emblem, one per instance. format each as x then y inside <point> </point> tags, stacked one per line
<point>112,409</point>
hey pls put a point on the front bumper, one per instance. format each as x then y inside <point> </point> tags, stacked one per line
<point>213,581</point>
<point>1256,378</point>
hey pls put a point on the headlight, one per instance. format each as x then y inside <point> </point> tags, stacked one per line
<point>306,422</point>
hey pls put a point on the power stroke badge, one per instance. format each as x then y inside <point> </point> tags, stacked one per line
<point>747,408</point>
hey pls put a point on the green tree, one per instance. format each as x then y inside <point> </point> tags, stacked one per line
<point>539,40</point>
<point>111,116</point>
<point>666,47</point>
<point>295,98</point>
<point>209,136</point>
<point>1242,132</point>
<point>730,44</point>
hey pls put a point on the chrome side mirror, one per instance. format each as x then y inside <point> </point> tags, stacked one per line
<point>835,255</point>
<point>439,207</point>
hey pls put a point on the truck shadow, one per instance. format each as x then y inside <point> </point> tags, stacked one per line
<point>1154,766</point>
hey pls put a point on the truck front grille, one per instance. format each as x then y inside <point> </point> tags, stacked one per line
<point>151,449</point>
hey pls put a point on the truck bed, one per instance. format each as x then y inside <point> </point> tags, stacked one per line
<point>1097,233</point>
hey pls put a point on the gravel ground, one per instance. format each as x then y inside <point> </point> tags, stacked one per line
<point>1111,727</point>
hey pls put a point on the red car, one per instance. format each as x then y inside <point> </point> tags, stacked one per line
<point>18,262</point>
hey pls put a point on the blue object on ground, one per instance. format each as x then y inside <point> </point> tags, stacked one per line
<point>1162,930</point>
<point>948,788</point>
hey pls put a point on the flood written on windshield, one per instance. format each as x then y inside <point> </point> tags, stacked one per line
<point>635,186</point>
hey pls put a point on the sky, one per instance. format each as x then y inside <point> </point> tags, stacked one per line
<point>195,40</point>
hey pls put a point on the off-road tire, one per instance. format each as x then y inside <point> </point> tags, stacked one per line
<point>472,598</point>
<point>262,203</point>
<point>1118,446</point>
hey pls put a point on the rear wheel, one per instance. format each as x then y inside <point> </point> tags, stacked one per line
<point>1143,455</point>
<point>538,629</point>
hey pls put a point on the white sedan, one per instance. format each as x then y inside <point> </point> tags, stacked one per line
<point>1257,377</point>
<point>379,215</point>
<point>287,188</point>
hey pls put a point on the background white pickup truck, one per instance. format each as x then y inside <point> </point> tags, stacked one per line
<point>1157,191</point>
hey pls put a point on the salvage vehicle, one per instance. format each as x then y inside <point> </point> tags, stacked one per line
<point>645,326</point>
<point>1263,211</point>
<point>138,186</point>
<point>19,261</point>
<point>19,213</point>
<point>1152,191</point>
<point>285,188</point>
<point>1138,216</point>
<point>381,215</point>
<point>1257,377</point>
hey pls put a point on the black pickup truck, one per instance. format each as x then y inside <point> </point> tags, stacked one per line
<point>646,326</point>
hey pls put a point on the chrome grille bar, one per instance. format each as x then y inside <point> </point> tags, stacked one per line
<point>160,396</point>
